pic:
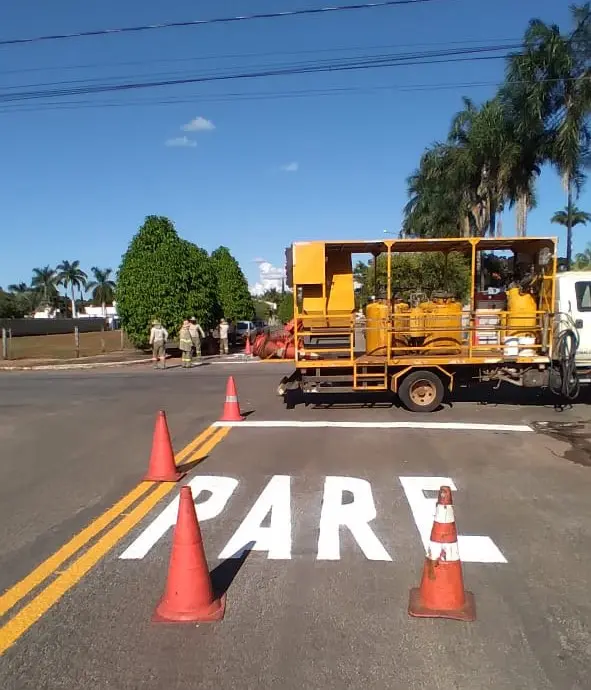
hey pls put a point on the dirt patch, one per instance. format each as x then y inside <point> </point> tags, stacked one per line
<point>576,434</point>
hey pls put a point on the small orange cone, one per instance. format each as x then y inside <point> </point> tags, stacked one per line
<point>231,411</point>
<point>247,347</point>
<point>162,467</point>
<point>188,596</point>
<point>442,594</point>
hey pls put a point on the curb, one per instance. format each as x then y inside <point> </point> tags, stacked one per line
<point>88,365</point>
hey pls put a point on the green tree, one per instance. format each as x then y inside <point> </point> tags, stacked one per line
<point>70,275</point>
<point>45,283</point>
<point>233,293</point>
<point>10,307</point>
<point>583,259</point>
<point>102,287</point>
<point>285,307</point>
<point>164,276</point>
<point>413,272</point>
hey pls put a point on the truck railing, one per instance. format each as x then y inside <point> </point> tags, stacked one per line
<point>481,333</point>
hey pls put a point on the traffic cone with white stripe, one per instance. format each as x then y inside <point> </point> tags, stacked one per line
<point>442,594</point>
<point>231,411</point>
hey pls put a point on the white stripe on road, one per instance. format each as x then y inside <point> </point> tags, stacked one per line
<point>457,426</point>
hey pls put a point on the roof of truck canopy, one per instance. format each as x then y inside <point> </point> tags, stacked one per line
<point>458,244</point>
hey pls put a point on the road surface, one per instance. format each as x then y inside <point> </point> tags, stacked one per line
<point>310,604</point>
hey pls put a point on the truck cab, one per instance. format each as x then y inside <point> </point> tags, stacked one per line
<point>573,300</point>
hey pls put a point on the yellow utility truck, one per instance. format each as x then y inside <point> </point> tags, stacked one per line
<point>419,346</point>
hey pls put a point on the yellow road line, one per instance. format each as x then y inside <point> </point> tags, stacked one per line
<point>13,595</point>
<point>55,590</point>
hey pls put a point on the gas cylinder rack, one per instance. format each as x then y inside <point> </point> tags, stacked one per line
<point>414,344</point>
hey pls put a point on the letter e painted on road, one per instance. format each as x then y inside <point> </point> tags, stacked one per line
<point>276,538</point>
<point>355,515</point>
<point>220,488</point>
<point>473,549</point>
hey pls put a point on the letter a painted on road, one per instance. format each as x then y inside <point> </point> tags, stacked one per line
<point>276,538</point>
<point>355,515</point>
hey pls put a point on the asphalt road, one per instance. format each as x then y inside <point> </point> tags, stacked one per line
<point>328,609</point>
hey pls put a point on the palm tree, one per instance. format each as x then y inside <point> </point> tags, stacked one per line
<point>72,276</point>
<point>572,216</point>
<point>44,282</point>
<point>103,288</point>
<point>19,288</point>
<point>553,76</point>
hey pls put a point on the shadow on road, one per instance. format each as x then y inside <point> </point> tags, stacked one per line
<point>478,394</point>
<point>223,575</point>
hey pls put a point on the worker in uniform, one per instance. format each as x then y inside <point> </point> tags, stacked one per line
<point>224,328</point>
<point>158,338</point>
<point>185,343</point>
<point>197,335</point>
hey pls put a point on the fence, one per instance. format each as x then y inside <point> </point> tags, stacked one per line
<point>68,343</point>
<point>22,327</point>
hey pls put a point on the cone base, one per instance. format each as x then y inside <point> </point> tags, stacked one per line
<point>177,476</point>
<point>209,614</point>
<point>466,613</point>
<point>231,417</point>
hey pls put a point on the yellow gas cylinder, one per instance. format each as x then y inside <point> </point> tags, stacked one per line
<point>444,324</point>
<point>401,324</point>
<point>376,328</point>
<point>416,322</point>
<point>521,317</point>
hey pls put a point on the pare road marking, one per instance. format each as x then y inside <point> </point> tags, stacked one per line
<point>273,507</point>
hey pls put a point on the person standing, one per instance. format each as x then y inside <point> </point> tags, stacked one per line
<point>158,338</point>
<point>196,336</point>
<point>224,328</point>
<point>185,343</point>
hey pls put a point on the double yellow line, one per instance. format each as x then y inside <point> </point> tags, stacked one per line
<point>27,616</point>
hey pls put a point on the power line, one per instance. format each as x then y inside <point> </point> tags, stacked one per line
<point>340,66</point>
<point>364,57</point>
<point>217,20</point>
<point>233,56</point>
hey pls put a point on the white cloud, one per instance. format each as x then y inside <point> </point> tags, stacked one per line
<point>269,277</point>
<point>181,141</point>
<point>199,124</point>
<point>294,166</point>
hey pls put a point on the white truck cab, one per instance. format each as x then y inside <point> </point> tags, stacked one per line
<point>573,298</point>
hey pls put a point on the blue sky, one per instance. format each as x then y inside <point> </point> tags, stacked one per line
<point>78,180</point>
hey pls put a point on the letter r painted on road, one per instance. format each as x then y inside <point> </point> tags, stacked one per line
<point>473,549</point>
<point>355,515</point>
<point>221,488</point>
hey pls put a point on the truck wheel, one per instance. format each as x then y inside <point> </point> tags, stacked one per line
<point>421,391</point>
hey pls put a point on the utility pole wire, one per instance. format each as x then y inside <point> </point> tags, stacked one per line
<point>217,20</point>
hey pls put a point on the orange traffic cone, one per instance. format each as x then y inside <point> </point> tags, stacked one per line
<point>162,466</point>
<point>247,347</point>
<point>442,594</point>
<point>188,596</point>
<point>231,411</point>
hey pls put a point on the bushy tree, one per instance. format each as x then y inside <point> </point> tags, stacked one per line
<point>413,272</point>
<point>10,306</point>
<point>285,307</point>
<point>163,276</point>
<point>233,293</point>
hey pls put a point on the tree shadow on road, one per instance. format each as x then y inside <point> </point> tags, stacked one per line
<point>224,574</point>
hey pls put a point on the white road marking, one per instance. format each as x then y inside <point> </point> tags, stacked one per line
<point>449,426</point>
<point>275,539</point>
<point>221,489</point>
<point>473,549</point>
<point>355,515</point>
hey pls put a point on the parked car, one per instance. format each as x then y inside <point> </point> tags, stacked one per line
<point>243,329</point>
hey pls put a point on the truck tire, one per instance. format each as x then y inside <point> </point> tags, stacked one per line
<point>421,391</point>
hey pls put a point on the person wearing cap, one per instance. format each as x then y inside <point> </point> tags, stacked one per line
<point>158,338</point>
<point>224,328</point>
<point>185,343</point>
<point>196,335</point>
